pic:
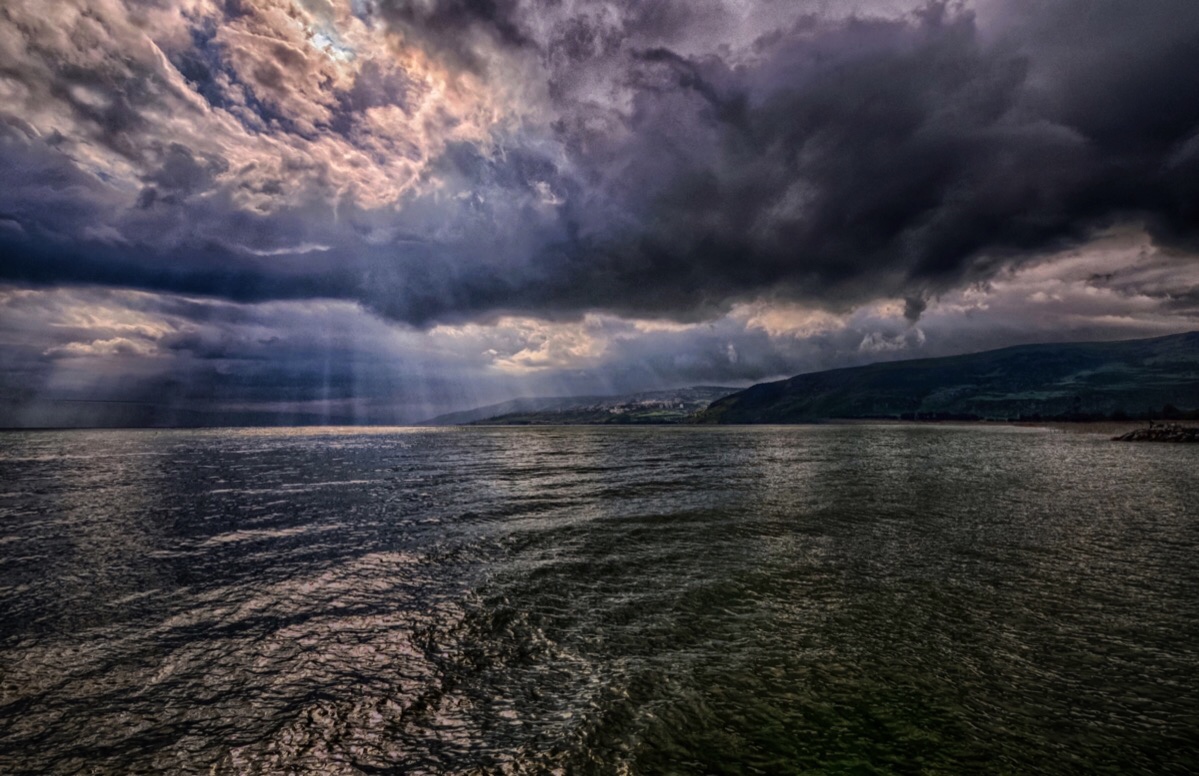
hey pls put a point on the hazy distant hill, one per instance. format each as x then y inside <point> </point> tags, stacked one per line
<point>1071,381</point>
<point>673,406</point>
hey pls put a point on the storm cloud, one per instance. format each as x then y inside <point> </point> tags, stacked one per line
<point>376,210</point>
<point>450,161</point>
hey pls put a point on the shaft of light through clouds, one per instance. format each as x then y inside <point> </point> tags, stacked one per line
<point>376,210</point>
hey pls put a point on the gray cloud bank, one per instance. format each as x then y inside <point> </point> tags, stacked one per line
<point>453,161</point>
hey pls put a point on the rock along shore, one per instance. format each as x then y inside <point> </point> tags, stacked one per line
<point>1165,432</point>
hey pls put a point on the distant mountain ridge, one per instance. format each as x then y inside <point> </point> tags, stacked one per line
<point>667,406</point>
<point>1156,377</point>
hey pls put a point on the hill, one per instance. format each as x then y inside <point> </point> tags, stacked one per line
<point>671,406</point>
<point>1077,381</point>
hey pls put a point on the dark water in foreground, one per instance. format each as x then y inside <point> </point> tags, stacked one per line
<point>751,600</point>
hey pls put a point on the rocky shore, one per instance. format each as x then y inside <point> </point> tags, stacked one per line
<point>1161,432</point>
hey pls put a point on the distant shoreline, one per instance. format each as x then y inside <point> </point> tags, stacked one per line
<point>1102,427</point>
<point>1108,427</point>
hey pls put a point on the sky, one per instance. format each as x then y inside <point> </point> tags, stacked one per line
<point>376,211</point>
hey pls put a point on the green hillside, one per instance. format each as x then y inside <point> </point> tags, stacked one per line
<point>1137,378</point>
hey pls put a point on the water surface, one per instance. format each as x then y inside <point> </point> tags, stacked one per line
<point>838,599</point>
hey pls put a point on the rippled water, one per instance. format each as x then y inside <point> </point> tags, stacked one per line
<point>840,599</point>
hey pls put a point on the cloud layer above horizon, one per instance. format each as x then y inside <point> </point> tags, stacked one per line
<point>412,205</point>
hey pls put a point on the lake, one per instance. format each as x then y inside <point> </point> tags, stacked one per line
<point>827,599</point>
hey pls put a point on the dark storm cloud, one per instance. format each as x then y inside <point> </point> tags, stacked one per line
<point>65,226</point>
<point>859,158</point>
<point>654,172</point>
<point>847,160</point>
